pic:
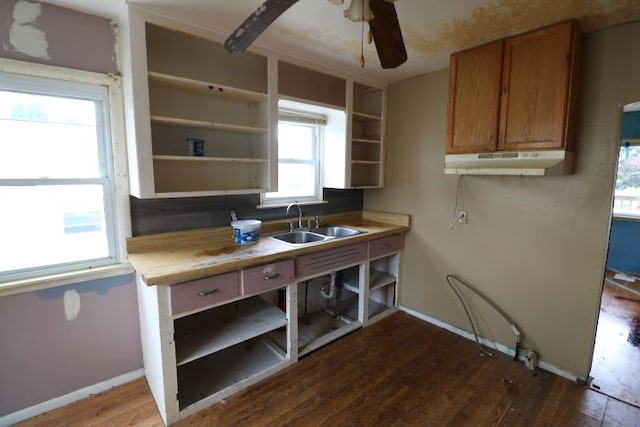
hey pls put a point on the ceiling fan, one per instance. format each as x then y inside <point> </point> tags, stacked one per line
<point>381,15</point>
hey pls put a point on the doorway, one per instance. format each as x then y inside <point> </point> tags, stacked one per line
<point>615,370</point>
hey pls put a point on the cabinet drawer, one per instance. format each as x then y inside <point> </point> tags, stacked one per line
<point>268,276</point>
<point>384,246</point>
<point>332,259</point>
<point>203,292</point>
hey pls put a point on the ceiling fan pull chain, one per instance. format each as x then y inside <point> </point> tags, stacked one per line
<point>362,41</point>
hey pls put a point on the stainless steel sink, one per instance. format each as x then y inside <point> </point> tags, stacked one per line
<point>337,231</point>
<point>319,234</point>
<point>299,237</point>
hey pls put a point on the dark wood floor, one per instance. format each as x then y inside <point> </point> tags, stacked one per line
<point>399,371</point>
<point>616,356</point>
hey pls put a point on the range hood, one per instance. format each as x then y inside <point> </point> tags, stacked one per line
<point>533,163</point>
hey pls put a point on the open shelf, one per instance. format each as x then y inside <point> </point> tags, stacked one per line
<point>379,278</point>
<point>365,174</point>
<point>366,140</point>
<point>211,374</point>
<point>212,89</point>
<point>207,159</point>
<point>376,308</point>
<point>175,121</point>
<point>366,117</point>
<point>173,176</point>
<point>234,323</point>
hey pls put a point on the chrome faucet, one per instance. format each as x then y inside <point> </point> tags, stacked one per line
<point>299,213</point>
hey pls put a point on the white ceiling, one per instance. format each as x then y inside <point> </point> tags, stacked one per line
<point>316,31</point>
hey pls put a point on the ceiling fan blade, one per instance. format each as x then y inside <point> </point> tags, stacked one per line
<point>387,34</point>
<point>256,23</point>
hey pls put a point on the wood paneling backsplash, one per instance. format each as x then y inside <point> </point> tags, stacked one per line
<point>151,216</point>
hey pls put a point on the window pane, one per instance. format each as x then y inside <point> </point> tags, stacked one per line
<point>296,142</point>
<point>49,225</point>
<point>47,137</point>
<point>295,180</point>
<point>627,194</point>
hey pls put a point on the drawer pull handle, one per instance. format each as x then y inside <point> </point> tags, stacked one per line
<point>271,275</point>
<point>207,293</point>
<point>386,245</point>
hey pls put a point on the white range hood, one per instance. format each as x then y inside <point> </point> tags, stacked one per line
<point>534,163</point>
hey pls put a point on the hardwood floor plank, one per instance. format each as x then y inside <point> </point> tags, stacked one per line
<point>400,371</point>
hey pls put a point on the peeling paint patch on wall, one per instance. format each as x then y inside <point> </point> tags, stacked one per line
<point>24,36</point>
<point>71,304</point>
<point>44,33</point>
<point>98,286</point>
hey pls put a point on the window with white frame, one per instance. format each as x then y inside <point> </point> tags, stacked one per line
<point>299,142</point>
<point>56,177</point>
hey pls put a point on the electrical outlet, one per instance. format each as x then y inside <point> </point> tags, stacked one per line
<point>462,217</point>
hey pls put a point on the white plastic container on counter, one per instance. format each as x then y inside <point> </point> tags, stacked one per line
<point>246,231</point>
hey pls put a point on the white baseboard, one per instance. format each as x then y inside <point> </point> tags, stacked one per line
<point>490,344</point>
<point>58,402</point>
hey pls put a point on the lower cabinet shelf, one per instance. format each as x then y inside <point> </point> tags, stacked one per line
<point>234,323</point>
<point>215,372</point>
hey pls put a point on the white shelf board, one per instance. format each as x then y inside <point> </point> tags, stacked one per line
<point>365,162</point>
<point>220,192</point>
<point>207,159</point>
<point>366,117</point>
<point>228,127</point>
<point>252,317</point>
<point>209,88</point>
<point>366,140</point>
<point>378,279</point>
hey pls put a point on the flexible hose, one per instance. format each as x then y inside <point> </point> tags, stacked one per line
<point>450,280</point>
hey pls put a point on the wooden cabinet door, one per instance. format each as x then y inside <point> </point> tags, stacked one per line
<point>535,89</point>
<point>474,99</point>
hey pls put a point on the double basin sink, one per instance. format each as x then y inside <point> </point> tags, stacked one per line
<point>319,234</point>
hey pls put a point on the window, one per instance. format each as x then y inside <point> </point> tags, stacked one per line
<point>299,141</point>
<point>626,200</point>
<point>56,177</point>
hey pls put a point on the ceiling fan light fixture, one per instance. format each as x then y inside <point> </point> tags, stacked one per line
<point>358,10</point>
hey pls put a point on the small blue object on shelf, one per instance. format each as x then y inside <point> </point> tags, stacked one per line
<point>196,146</point>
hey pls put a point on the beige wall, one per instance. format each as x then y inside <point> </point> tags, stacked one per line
<point>535,245</point>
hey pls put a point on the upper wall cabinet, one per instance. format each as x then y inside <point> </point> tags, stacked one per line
<point>515,94</point>
<point>188,87</point>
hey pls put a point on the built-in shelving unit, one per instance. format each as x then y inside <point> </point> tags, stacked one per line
<point>195,89</point>
<point>383,278</point>
<point>366,135</point>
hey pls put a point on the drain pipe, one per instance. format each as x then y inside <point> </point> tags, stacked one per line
<point>452,279</point>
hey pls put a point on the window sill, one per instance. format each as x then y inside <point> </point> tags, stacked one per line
<point>61,279</point>
<point>284,205</point>
<point>626,217</point>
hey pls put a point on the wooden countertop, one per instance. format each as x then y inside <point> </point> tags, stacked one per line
<point>169,258</point>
